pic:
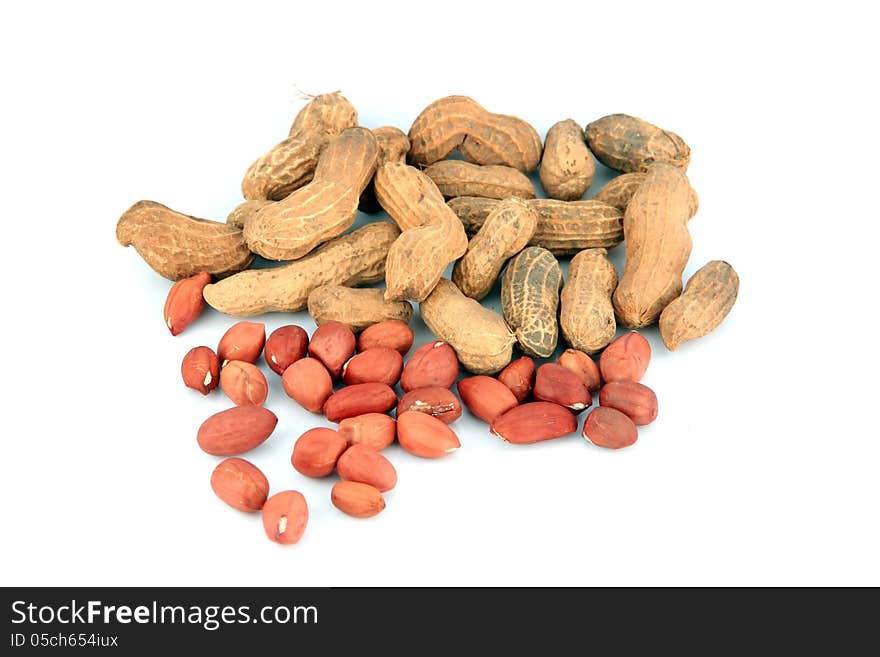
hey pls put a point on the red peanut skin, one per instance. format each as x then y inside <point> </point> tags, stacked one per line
<point>432,364</point>
<point>391,333</point>
<point>367,466</point>
<point>236,430</point>
<point>240,484</point>
<point>308,383</point>
<point>378,364</point>
<point>636,401</point>
<point>433,400</point>
<point>316,452</point>
<point>284,346</point>
<point>626,358</point>
<point>582,365</point>
<point>359,399</point>
<point>333,344</point>
<point>244,383</point>
<point>356,499</point>
<point>485,397</point>
<point>195,367</point>
<point>519,376</point>
<point>608,427</point>
<point>285,516</point>
<point>185,302</point>
<point>534,422</point>
<point>423,435</point>
<point>375,430</point>
<point>557,384</point>
<point>243,341</point>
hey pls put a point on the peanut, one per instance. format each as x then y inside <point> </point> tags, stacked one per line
<point>432,236</point>
<point>432,364</point>
<point>375,430</point>
<point>285,516</point>
<point>530,298</point>
<point>638,402</point>
<point>658,246</point>
<point>242,341</point>
<point>558,384</point>
<point>457,178</point>
<point>352,259</point>
<point>706,301</point>
<point>332,344</point>
<point>583,366</point>
<point>291,164</point>
<point>379,364</point>
<point>519,376</point>
<point>393,147</point>
<point>626,358</point>
<point>424,435</point>
<point>322,209</point>
<point>359,399</point>
<point>200,369</point>
<point>185,302</point>
<point>316,452</point>
<point>619,192</point>
<point>534,422</point>
<point>567,166</point>
<point>626,143</point>
<point>587,314</point>
<point>390,333</point>
<point>308,383</point>
<point>506,231</point>
<point>481,338</point>
<point>176,245</point>
<point>236,430</point>
<point>459,122</point>
<point>240,484</point>
<point>243,212</point>
<point>356,499</point>
<point>564,227</point>
<point>284,346</point>
<point>608,427</point>
<point>433,400</point>
<point>243,383</point>
<point>485,397</point>
<point>367,466</point>
<point>356,308</point>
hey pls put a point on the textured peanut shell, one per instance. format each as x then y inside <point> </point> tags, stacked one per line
<point>242,212</point>
<point>567,166</point>
<point>324,208</point>
<point>627,143</point>
<point>459,178</point>
<point>351,259</point>
<point>459,122</point>
<point>506,231</point>
<point>658,246</point>
<point>357,308</point>
<point>393,147</point>
<point>481,338</point>
<point>530,299</point>
<point>564,227</point>
<point>707,299</point>
<point>177,245</point>
<point>586,316</point>
<point>432,235</point>
<point>291,164</point>
<point>619,190</point>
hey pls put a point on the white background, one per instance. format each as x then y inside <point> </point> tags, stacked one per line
<point>762,467</point>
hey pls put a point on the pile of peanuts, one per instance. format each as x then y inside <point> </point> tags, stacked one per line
<point>365,370</point>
